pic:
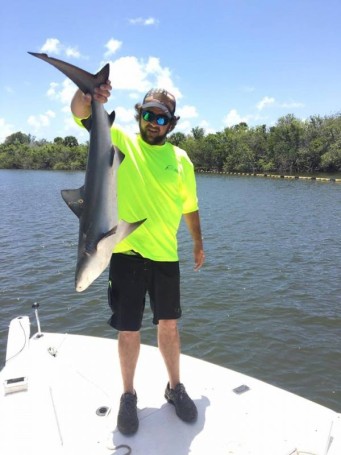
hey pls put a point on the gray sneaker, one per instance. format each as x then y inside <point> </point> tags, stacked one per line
<point>184,406</point>
<point>127,421</point>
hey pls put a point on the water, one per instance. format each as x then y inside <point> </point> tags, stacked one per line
<point>267,302</point>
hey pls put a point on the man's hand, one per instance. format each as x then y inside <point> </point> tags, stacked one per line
<point>193,224</point>
<point>199,257</point>
<point>81,102</point>
<point>102,93</point>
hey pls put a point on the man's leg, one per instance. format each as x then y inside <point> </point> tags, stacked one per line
<point>169,345</point>
<point>128,349</point>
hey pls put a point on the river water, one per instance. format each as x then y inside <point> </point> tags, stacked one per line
<point>266,303</point>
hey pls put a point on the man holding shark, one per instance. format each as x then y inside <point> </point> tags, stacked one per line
<point>155,183</point>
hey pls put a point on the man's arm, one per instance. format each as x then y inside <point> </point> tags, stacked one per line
<point>193,224</point>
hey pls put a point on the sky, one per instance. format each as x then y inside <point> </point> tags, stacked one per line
<point>226,61</point>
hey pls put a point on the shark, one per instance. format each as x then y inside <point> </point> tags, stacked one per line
<point>95,203</point>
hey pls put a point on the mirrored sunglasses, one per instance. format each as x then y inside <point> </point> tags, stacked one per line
<point>150,117</point>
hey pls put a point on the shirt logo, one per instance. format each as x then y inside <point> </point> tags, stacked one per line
<point>171,167</point>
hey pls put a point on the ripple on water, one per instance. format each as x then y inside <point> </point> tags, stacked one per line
<point>267,302</point>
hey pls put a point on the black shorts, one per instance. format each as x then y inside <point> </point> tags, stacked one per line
<point>131,277</point>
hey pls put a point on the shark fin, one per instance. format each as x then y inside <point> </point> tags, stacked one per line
<point>124,229</point>
<point>111,118</point>
<point>87,122</point>
<point>120,155</point>
<point>75,200</point>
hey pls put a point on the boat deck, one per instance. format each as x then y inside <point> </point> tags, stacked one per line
<point>69,400</point>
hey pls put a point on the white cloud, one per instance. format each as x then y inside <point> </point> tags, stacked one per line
<point>151,21</point>
<point>5,129</point>
<point>40,121</point>
<point>270,101</point>
<point>266,101</point>
<point>113,46</point>
<point>127,73</point>
<point>52,45</point>
<point>163,77</point>
<point>72,52</point>
<point>71,127</point>
<point>142,21</point>
<point>233,118</point>
<point>62,92</point>
<point>134,96</point>
<point>52,91</point>
<point>70,124</point>
<point>184,126</point>
<point>187,112</point>
<point>208,130</point>
<point>67,92</point>
<point>130,128</point>
<point>125,115</point>
<point>130,73</point>
<point>291,105</point>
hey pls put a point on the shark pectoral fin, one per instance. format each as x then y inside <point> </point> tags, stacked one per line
<point>124,229</point>
<point>75,200</point>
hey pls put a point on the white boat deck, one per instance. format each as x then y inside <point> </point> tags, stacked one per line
<point>69,377</point>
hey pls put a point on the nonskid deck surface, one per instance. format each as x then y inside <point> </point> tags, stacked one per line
<point>72,399</point>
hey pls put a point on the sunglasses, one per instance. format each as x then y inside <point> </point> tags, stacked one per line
<point>150,117</point>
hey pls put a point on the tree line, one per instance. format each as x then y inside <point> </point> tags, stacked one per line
<point>291,146</point>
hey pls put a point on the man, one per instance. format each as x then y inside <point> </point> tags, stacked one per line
<point>156,182</point>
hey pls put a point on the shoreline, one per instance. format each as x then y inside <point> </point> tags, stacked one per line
<point>274,176</point>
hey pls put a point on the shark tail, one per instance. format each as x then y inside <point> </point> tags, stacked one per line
<point>85,81</point>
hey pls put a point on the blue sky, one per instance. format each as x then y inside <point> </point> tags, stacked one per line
<point>226,61</point>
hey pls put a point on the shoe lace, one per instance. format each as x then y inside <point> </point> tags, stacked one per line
<point>129,401</point>
<point>181,392</point>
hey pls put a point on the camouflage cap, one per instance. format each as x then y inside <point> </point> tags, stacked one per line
<point>161,99</point>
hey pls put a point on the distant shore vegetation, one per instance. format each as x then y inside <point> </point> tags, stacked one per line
<point>291,146</point>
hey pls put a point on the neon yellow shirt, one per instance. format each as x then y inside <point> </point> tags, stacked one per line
<point>156,183</point>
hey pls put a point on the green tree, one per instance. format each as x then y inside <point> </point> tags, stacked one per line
<point>198,133</point>
<point>18,138</point>
<point>284,143</point>
<point>70,141</point>
<point>177,138</point>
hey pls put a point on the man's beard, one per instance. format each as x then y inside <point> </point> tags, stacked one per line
<point>152,139</point>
